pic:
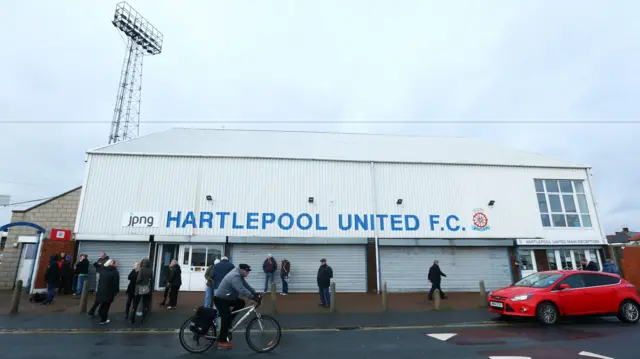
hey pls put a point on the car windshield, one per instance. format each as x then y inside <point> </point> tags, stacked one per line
<point>539,280</point>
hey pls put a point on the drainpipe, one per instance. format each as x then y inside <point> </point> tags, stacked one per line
<point>374,198</point>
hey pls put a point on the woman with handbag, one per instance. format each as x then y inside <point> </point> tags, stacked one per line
<point>143,289</point>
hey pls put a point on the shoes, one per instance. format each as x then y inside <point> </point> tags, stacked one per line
<point>225,345</point>
<point>106,322</point>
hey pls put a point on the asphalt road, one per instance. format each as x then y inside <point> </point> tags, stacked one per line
<point>608,339</point>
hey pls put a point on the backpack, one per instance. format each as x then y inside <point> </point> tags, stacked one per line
<point>203,320</point>
<point>37,297</point>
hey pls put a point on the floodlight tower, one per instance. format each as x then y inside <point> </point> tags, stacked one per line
<point>142,39</point>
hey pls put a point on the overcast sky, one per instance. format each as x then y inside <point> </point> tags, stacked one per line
<point>330,60</point>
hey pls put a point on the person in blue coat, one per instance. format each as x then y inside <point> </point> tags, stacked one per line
<point>610,267</point>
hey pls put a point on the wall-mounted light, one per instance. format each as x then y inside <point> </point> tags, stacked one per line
<point>491,203</point>
<point>399,201</point>
<point>310,199</point>
<point>209,198</point>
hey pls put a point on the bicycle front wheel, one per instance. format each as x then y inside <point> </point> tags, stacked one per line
<point>193,342</point>
<point>263,334</point>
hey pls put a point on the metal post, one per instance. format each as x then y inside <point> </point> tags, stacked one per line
<point>483,293</point>
<point>15,299</point>
<point>436,299</point>
<point>332,295</point>
<point>84,296</point>
<point>273,297</point>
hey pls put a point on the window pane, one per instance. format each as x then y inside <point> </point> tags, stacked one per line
<point>539,185</point>
<point>573,220</point>
<point>565,186</point>
<point>526,262</point>
<point>569,203</point>
<point>558,220</point>
<point>552,185</point>
<point>565,260</point>
<point>198,256</point>
<point>577,257</point>
<point>586,220</point>
<point>575,281</point>
<point>554,202</point>
<point>546,221</point>
<point>542,203</point>
<point>582,203</point>
<point>551,259</point>
<point>579,186</point>
<point>593,256</point>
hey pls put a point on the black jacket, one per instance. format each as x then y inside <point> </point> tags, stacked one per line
<point>99,264</point>
<point>131,287</point>
<point>66,270</point>
<point>592,266</point>
<point>285,268</point>
<point>175,276</point>
<point>435,274</point>
<point>274,265</point>
<point>52,274</point>
<point>325,273</point>
<point>108,285</point>
<point>220,270</point>
<point>82,267</point>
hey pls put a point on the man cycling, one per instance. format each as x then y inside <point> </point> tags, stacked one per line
<point>226,300</point>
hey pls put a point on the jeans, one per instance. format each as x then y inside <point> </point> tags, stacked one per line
<point>80,283</point>
<point>146,307</point>
<point>285,286</point>
<point>51,292</point>
<point>325,297</point>
<point>267,281</point>
<point>208,297</point>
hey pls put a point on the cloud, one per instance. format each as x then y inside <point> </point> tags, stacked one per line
<point>312,61</point>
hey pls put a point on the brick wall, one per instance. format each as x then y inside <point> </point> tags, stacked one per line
<point>59,212</point>
<point>630,264</point>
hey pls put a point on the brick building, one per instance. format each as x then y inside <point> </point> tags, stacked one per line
<point>58,212</point>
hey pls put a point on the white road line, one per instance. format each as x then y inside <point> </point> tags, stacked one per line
<point>593,355</point>
<point>509,357</point>
<point>442,336</point>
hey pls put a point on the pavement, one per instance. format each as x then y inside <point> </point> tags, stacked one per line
<point>521,340</point>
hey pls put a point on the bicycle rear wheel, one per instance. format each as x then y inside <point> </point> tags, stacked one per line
<point>264,326</point>
<point>202,342</point>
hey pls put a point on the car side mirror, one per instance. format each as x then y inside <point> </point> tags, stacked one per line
<point>564,286</point>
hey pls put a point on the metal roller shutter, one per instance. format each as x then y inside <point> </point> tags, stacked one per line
<point>126,253</point>
<point>348,262</point>
<point>405,269</point>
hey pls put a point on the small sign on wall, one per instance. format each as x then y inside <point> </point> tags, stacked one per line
<point>60,235</point>
<point>140,219</point>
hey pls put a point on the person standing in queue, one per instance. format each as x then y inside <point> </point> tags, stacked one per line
<point>131,290</point>
<point>143,290</point>
<point>108,287</point>
<point>82,271</point>
<point>52,278</point>
<point>435,277</point>
<point>285,269</point>
<point>209,274</point>
<point>175,281</point>
<point>269,267</point>
<point>227,300</point>
<point>325,273</point>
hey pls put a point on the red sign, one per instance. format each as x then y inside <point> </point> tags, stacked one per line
<point>60,235</point>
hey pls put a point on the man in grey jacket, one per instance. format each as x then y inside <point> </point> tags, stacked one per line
<point>226,299</point>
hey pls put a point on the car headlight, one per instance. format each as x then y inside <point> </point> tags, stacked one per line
<point>520,297</point>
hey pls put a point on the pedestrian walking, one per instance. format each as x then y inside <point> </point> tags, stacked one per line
<point>285,270</point>
<point>269,267</point>
<point>108,287</point>
<point>435,277</point>
<point>325,273</point>
<point>143,290</point>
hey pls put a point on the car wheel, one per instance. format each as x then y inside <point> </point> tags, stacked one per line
<point>629,312</point>
<point>547,313</point>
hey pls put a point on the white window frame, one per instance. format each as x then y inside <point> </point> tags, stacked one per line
<point>574,193</point>
<point>598,258</point>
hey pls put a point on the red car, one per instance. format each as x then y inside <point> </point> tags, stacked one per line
<point>551,294</point>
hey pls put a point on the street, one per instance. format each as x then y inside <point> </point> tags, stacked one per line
<point>608,339</point>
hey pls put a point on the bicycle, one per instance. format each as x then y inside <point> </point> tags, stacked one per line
<point>211,336</point>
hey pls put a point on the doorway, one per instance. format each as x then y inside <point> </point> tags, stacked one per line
<point>166,253</point>
<point>194,260</point>
<point>26,262</point>
<point>527,262</point>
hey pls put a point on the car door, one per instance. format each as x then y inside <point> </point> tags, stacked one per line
<point>602,290</point>
<point>574,300</point>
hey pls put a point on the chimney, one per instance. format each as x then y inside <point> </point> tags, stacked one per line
<point>625,229</point>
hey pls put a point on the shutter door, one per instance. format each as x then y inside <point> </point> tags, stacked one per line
<point>405,269</point>
<point>126,253</point>
<point>348,263</point>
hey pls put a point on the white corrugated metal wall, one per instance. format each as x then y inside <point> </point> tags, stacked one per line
<point>347,261</point>
<point>405,269</point>
<point>126,253</point>
<point>119,184</point>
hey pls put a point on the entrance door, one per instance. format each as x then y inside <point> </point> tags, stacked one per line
<point>166,253</point>
<point>194,262</point>
<point>527,262</point>
<point>26,262</point>
<point>566,259</point>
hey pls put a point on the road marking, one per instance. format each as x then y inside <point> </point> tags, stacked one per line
<point>593,355</point>
<point>307,330</point>
<point>509,357</point>
<point>442,336</point>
